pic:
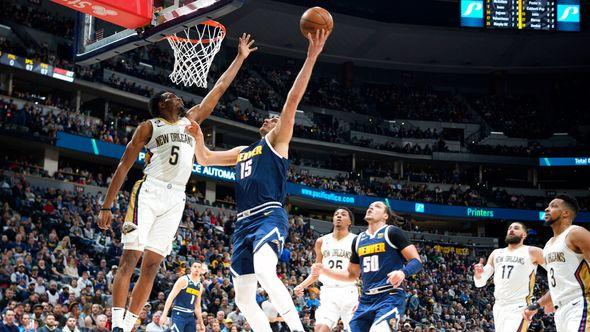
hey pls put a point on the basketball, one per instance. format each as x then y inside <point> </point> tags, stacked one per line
<point>314,19</point>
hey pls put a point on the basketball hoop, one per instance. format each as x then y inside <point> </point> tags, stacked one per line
<point>193,56</point>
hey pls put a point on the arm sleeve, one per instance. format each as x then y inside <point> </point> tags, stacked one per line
<point>354,258</point>
<point>397,237</point>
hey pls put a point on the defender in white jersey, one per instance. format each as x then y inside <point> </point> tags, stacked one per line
<point>514,269</point>
<point>567,255</point>
<point>157,201</point>
<point>337,298</point>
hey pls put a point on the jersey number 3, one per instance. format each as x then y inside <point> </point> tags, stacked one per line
<point>246,169</point>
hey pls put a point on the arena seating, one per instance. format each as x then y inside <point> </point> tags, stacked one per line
<point>50,237</point>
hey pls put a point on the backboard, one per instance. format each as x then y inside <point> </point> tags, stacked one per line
<point>97,40</point>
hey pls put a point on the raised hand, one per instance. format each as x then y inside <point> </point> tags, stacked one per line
<point>245,46</point>
<point>316,42</point>
<point>195,130</point>
<point>478,268</point>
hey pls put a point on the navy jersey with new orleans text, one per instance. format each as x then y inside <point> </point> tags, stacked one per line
<point>185,300</point>
<point>261,176</point>
<point>379,254</point>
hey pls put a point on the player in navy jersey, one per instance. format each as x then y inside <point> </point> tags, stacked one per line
<point>262,224</point>
<point>185,300</point>
<point>378,257</point>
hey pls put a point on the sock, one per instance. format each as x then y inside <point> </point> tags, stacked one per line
<point>245,287</point>
<point>129,321</point>
<point>265,265</point>
<point>118,316</point>
<point>292,319</point>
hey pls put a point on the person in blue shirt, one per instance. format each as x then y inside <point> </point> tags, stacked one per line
<point>378,257</point>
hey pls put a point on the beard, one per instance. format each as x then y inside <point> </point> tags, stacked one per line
<point>551,220</point>
<point>182,111</point>
<point>512,239</point>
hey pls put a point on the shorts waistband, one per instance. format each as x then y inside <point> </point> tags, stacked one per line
<point>181,309</point>
<point>164,184</point>
<point>340,287</point>
<point>567,301</point>
<point>257,209</point>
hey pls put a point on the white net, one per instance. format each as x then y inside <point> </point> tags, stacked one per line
<point>193,56</point>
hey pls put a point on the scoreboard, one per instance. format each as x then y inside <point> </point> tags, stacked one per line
<point>548,15</point>
<point>35,67</point>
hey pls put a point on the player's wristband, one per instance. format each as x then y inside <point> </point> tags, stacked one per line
<point>105,209</point>
<point>412,267</point>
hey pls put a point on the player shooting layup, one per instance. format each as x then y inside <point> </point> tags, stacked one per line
<point>157,201</point>
<point>262,225</point>
<point>514,269</point>
<point>337,298</point>
<point>566,255</point>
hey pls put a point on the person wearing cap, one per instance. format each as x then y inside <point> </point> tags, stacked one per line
<point>111,274</point>
<point>227,325</point>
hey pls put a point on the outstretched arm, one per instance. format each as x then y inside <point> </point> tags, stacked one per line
<point>142,135</point>
<point>201,111</point>
<point>281,135</point>
<point>206,157</point>
<point>311,278</point>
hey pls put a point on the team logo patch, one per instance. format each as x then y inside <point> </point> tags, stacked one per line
<point>380,235</point>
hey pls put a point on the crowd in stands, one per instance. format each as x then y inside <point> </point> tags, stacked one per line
<point>58,268</point>
<point>36,17</point>
<point>266,86</point>
<point>33,120</point>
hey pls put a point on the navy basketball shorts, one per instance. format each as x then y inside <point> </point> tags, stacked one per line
<point>183,322</point>
<point>374,309</point>
<point>251,233</point>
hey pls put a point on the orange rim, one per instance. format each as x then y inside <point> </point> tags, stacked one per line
<point>211,23</point>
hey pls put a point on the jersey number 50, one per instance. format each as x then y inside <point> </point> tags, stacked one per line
<point>371,263</point>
